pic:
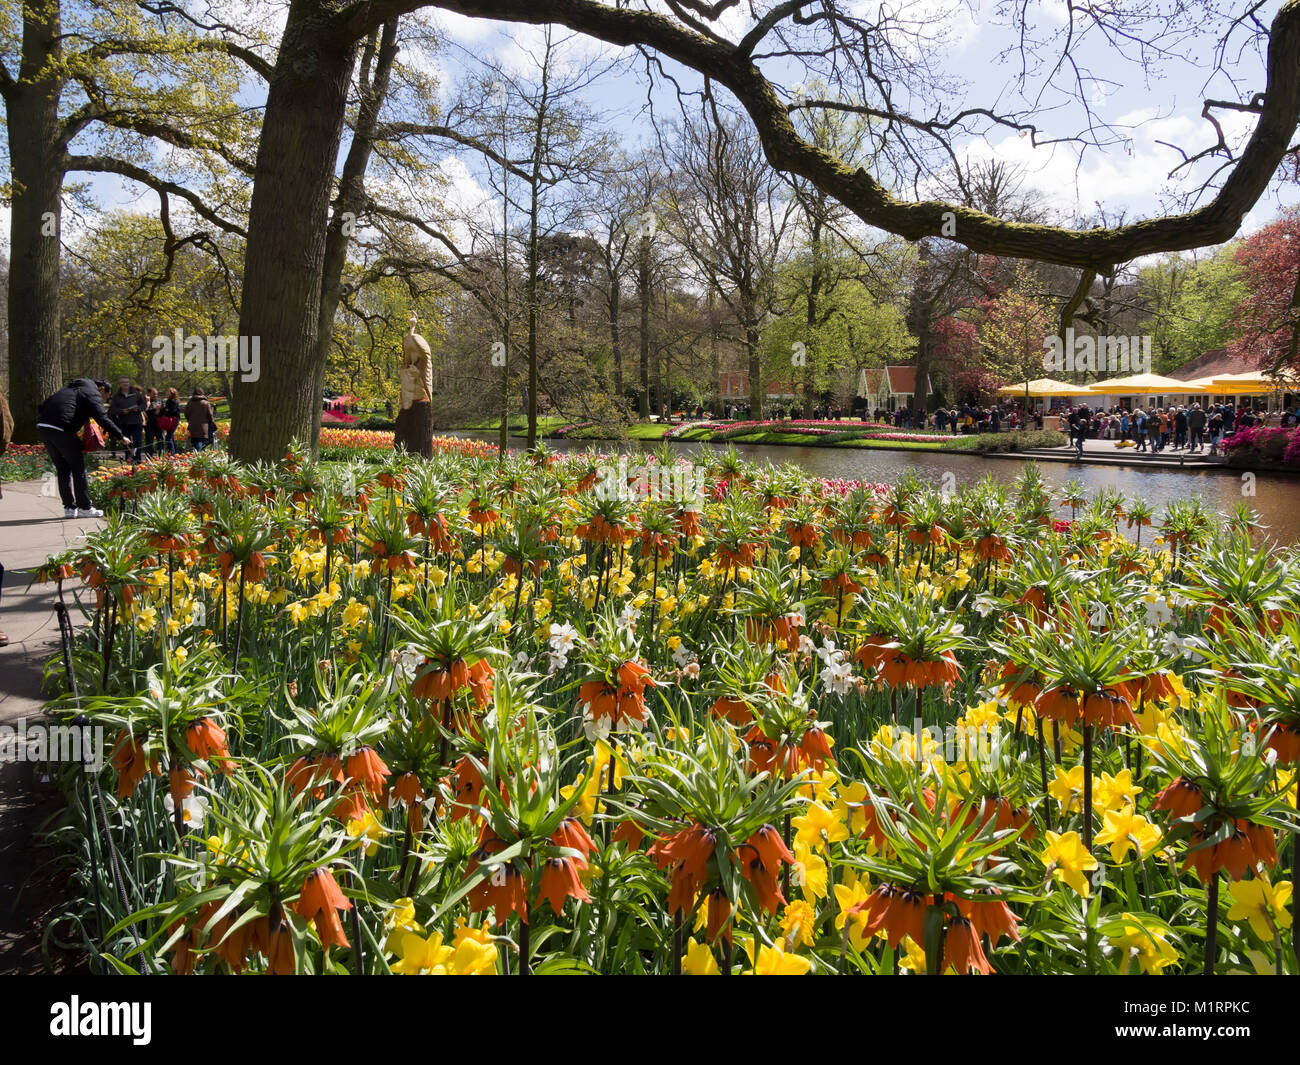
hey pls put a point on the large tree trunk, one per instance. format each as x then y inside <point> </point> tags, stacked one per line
<point>814,299</point>
<point>36,168</point>
<point>616,336</point>
<point>715,361</point>
<point>534,206</point>
<point>921,399</point>
<point>752,341</point>
<point>286,234</point>
<point>348,206</point>
<point>643,292</point>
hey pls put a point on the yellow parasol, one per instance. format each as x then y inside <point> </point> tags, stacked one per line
<point>1140,384</point>
<point>1041,387</point>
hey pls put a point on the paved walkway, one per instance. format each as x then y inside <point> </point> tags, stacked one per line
<point>32,527</point>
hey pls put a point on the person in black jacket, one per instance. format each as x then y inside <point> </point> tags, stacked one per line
<point>59,420</point>
<point>127,409</point>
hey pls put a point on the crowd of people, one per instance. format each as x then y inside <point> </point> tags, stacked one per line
<point>967,418</point>
<point>137,422</point>
<point>150,421</point>
<point>1189,429</point>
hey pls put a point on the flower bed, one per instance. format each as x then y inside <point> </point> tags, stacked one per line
<point>1257,444</point>
<point>450,716</point>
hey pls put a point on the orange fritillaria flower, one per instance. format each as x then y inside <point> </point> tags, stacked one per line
<point>770,846</point>
<point>733,558</point>
<point>1285,740</point>
<point>180,782</point>
<point>894,668</point>
<point>352,806</point>
<point>320,901</point>
<point>560,882</point>
<point>504,892</point>
<point>131,764</point>
<point>254,568</point>
<point>207,740</point>
<point>1106,709</point>
<point>719,916</point>
<point>962,950</point>
<point>895,911</point>
<point>874,650</point>
<point>406,789</point>
<point>990,917</point>
<point>993,548</point>
<point>1024,691</point>
<point>762,870</point>
<point>481,676</point>
<point>314,772</point>
<point>932,535</point>
<point>441,683</point>
<point>1058,704</point>
<point>628,832</point>
<point>688,522</point>
<point>736,711</point>
<point>467,787</point>
<point>1181,797</point>
<point>942,672</point>
<point>816,748</point>
<point>801,535</point>
<point>688,853</point>
<point>278,948</point>
<point>572,834</point>
<point>368,769</point>
<point>767,886</point>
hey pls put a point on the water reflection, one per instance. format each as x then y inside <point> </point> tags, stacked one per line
<point>1276,498</point>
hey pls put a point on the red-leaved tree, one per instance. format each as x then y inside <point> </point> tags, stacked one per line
<point>1268,319</point>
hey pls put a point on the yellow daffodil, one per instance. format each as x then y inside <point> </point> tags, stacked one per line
<point>1264,905</point>
<point>1123,830</point>
<point>774,961</point>
<point>818,827</point>
<point>367,831</point>
<point>1145,942</point>
<point>699,960</point>
<point>1067,861</point>
<point>799,923</point>
<point>809,872</point>
<point>1115,792</point>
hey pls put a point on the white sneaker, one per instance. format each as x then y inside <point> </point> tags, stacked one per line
<point>93,512</point>
<point>69,512</point>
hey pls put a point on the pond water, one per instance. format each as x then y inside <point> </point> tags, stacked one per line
<point>1276,498</point>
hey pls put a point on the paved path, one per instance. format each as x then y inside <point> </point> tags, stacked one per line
<point>32,527</point>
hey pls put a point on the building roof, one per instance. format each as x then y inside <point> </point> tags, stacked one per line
<point>875,378</point>
<point>902,380</point>
<point>1215,363</point>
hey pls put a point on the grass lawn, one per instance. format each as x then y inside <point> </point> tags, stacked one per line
<point>647,431</point>
<point>892,445</point>
<point>519,424</point>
